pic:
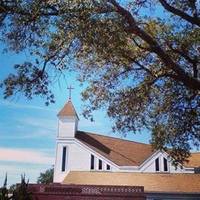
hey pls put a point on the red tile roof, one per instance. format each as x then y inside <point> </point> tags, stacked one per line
<point>123,152</point>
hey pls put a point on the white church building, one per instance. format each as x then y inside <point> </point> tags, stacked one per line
<point>92,159</point>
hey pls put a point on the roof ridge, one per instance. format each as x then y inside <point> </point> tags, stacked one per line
<point>126,140</point>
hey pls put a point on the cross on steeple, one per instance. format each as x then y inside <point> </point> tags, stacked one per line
<point>70,88</point>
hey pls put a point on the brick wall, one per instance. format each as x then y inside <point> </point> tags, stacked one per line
<point>85,192</point>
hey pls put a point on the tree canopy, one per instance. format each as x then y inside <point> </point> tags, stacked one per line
<point>140,58</point>
<point>46,177</point>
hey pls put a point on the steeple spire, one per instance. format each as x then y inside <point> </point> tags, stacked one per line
<point>70,88</point>
<point>68,110</point>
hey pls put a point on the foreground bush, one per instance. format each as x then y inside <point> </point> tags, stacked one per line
<point>18,192</point>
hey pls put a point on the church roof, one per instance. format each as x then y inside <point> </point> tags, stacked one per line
<point>68,110</point>
<point>194,160</point>
<point>123,152</point>
<point>152,182</point>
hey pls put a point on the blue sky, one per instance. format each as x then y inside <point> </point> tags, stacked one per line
<point>28,128</point>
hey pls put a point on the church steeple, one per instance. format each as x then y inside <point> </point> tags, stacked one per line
<point>68,119</point>
<point>68,110</point>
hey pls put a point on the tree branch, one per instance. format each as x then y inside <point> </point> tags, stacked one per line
<point>194,61</point>
<point>182,76</point>
<point>184,55</point>
<point>192,20</point>
<point>142,67</point>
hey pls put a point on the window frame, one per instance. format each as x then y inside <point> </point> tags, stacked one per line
<point>64,159</point>
<point>157,164</point>
<point>100,165</point>
<point>165,165</point>
<point>108,167</point>
<point>92,162</point>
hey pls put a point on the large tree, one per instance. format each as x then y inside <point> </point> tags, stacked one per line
<point>46,177</point>
<point>140,58</point>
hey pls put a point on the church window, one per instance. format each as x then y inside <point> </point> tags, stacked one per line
<point>92,162</point>
<point>197,170</point>
<point>64,159</point>
<point>100,164</point>
<point>157,164</point>
<point>165,164</point>
<point>107,167</point>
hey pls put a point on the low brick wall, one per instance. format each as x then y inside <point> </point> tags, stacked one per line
<point>85,192</point>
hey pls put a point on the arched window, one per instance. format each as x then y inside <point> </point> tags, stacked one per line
<point>157,165</point>
<point>165,165</point>
<point>92,162</point>
<point>64,158</point>
<point>100,165</point>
